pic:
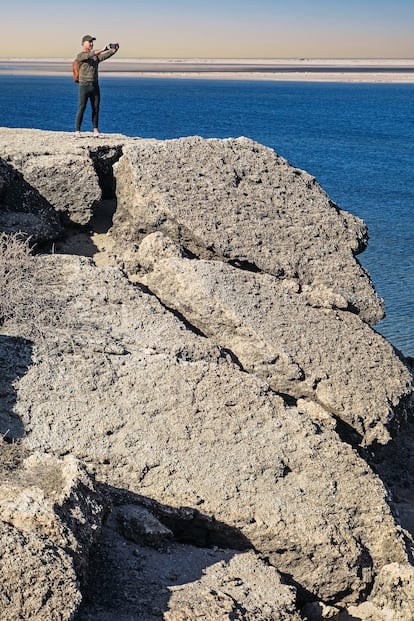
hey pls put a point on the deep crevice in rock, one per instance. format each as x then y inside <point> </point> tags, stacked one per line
<point>176,313</point>
<point>103,159</point>
<point>77,239</point>
<point>348,434</point>
<point>187,524</point>
<point>244,265</point>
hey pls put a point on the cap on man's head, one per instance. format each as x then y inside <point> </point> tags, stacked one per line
<point>88,38</point>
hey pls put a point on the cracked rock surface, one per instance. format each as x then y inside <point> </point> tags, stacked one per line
<point>235,200</point>
<point>297,340</point>
<point>50,515</point>
<point>216,373</point>
<point>151,407</point>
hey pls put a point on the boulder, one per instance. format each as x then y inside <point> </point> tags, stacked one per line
<point>50,515</point>
<point>392,598</point>
<point>237,201</point>
<point>138,524</point>
<point>67,181</point>
<point>300,341</point>
<point>179,581</point>
<point>23,210</point>
<point>50,178</point>
<point>153,407</point>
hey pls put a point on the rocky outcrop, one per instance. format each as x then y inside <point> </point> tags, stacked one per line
<point>219,369</point>
<point>320,360</point>
<point>152,407</point>
<point>48,179</point>
<point>50,515</point>
<point>238,201</point>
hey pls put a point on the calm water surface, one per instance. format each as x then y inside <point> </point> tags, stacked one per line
<point>357,139</point>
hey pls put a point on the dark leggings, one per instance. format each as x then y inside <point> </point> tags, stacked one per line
<point>92,92</point>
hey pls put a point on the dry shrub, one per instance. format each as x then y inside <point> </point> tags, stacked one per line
<point>15,276</point>
<point>11,457</point>
<point>32,299</point>
<point>37,305</point>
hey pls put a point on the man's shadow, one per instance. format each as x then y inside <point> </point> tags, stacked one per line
<point>15,360</point>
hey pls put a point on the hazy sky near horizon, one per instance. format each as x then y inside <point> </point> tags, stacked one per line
<point>211,28</point>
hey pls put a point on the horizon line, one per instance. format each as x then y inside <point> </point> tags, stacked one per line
<point>209,58</point>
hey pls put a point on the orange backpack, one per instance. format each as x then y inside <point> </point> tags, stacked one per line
<point>75,70</point>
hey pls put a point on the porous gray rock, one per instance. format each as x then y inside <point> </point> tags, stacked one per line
<point>235,200</point>
<point>38,581</point>
<point>156,409</point>
<point>50,177</point>
<point>50,515</point>
<point>178,581</point>
<point>242,588</point>
<point>154,247</point>
<point>392,598</point>
<point>166,389</point>
<point>23,210</point>
<point>297,341</point>
<point>67,181</point>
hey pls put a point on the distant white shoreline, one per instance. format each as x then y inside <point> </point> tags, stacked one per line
<point>271,61</point>
<point>299,69</point>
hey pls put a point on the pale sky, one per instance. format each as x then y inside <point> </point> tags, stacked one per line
<point>211,28</point>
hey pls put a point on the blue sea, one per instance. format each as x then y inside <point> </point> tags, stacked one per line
<point>356,139</point>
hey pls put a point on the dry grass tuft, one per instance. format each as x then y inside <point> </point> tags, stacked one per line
<point>15,281</point>
<point>23,302</point>
<point>33,299</point>
<point>11,457</point>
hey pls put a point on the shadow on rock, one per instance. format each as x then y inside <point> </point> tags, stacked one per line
<point>83,241</point>
<point>394,464</point>
<point>24,210</point>
<point>15,359</point>
<point>146,552</point>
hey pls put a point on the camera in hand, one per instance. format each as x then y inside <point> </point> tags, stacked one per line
<point>113,46</point>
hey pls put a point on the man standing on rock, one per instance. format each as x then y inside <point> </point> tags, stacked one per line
<point>89,60</point>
